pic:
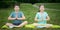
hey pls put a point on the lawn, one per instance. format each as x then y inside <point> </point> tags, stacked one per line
<point>53,9</point>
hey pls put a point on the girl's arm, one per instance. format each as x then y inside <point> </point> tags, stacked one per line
<point>36,19</point>
<point>48,18</point>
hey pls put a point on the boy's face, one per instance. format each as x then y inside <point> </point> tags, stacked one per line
<point>16,8</point>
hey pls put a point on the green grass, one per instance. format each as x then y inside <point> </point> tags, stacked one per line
<point>30,12</point>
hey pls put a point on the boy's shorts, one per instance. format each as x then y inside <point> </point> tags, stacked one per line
<point>17,22</point>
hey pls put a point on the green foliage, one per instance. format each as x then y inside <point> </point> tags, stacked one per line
<point>8,3</point>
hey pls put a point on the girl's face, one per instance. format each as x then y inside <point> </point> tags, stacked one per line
<point>41,8</point>
<point>16,8</point>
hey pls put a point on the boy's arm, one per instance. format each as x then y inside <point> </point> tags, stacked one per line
<point>23,17</point>
<point>9,18</point>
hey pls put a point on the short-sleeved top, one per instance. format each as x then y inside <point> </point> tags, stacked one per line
<point>13,15</point>
<point>40,16</point>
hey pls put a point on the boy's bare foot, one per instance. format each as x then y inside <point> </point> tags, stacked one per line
<point>17,26</point>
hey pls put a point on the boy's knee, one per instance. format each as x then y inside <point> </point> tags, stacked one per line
<point>7,23</point>
<point>25,22</point>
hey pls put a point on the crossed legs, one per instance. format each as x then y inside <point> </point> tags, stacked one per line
<point>21,25</point>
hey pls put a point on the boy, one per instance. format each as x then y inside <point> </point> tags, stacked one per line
<point>17,17</point>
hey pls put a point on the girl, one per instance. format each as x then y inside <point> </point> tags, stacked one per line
<point>41,18</point>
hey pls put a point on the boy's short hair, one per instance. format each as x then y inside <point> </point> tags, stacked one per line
<point>17,4</point>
